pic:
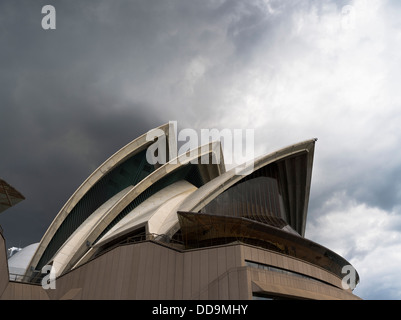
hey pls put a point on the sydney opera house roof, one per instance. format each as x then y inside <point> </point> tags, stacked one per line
<point>124,194</point>
<point>186,204</point>
<point>9,196</point>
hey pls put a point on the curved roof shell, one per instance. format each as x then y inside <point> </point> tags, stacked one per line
<point>81,204</point>
<point>115,209</point>
<point>191,197</point>
<point>19,262</point>
<point>101,206</point>
<point>105,212</point>
<point>294,165</point>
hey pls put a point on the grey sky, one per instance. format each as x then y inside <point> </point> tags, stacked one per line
<point>291,70</point>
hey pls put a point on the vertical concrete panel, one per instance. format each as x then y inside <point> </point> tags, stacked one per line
<point>212,271</point>
<point>214,290</point>
<point>221,260</point>
<point>223,287</point>
<point>155,270</point>
<point>179,276</point>
<point>114,286</point>
<point>18,292</point>
<point>262,275</point>
<point>83,277</point>
<point>147,256</point>
<point>22,291</point>
<point>230,257</point>
<point>13,293</point>
<point>195,278</point>
<point>269,277</point>
<point>105,283</point>
<point>247,253</point>
<point>254,254</point>
<point>45,295</point>
<point>96,282</point>
<point>76,278</point>
<point>244,284</point>
<point>325,276</point>
<point>90,281</point>
<point>240,255</point>
<point>290,264</point>
<point>103,272</point>
<point>233,285</point>
<point>133,266</point>
<point>204,271</point>
<point>187,282</point>
<point>125,269</point>
<point>280,262</point>
<point>232,263</point>
<point>283,280</point>
<point>142,271</point>
<point>87,279</point>
<point>302,267</point>
<point>170,277</point>
<point>276,278</point>
<point>266,257</point>
<point>273,257</point>
<point>26,293</point>
<point>3,265</point>
<point>22,294</point>
<point>319,273</point>
<point>308,285</point>
<point>239,259</point>
<point>261,256</point>
<point>307,268</point>
<point>204,293</point>
<point>286,262</point>
<point>51,294</point>
<point>163,270</point>
<point>254,274</point>
<point>62,286</point>
<point>35,293</point>
<point>120,276</point>
<point>8,292</point>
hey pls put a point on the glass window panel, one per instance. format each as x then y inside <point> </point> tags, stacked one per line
<point>258,199</point>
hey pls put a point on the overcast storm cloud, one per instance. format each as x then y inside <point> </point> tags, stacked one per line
<point>291,70</point>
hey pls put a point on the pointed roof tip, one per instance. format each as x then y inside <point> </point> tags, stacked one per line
<point>9,196</point>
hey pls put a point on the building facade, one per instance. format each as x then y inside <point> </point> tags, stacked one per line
<point>184,229</point>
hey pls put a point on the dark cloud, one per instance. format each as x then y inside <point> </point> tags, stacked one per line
<point>62,113</point>
<point>112,70</point>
